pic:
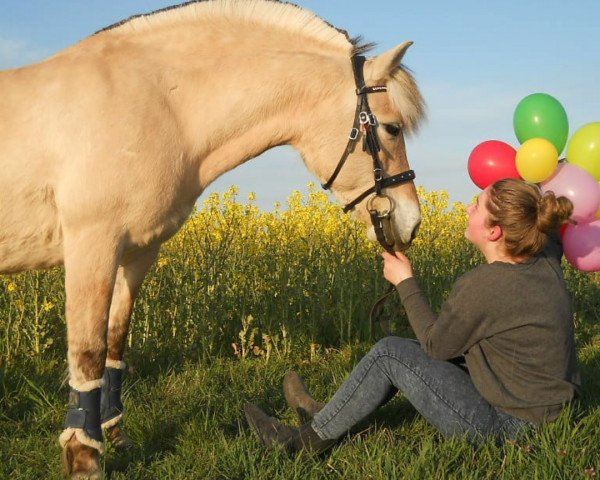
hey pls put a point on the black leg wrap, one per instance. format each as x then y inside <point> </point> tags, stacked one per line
<point>110,403</point>
<point>84,412</point>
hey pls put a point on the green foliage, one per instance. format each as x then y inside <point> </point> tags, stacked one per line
<point>237,298</point>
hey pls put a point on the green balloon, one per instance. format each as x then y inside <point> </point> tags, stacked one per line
<point>540,115</point>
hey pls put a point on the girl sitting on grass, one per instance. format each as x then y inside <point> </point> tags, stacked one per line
<point>498,359</point>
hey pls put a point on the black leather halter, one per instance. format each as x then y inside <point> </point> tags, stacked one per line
<point>365,124</point>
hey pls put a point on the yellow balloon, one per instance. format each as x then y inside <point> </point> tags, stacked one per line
<point>536,160</point>
<point>584,149</point>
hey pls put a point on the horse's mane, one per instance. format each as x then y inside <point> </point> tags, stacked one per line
<point>278,14</point>
<point>274,13</point>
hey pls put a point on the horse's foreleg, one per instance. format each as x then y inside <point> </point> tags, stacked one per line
<point>130,276</point>
<point>91,260</point>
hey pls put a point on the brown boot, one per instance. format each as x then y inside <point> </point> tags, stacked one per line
<point>272,432</point>
<point>298,397</point>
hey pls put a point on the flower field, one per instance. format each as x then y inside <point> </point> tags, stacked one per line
<point>240,295</point>
<point>306,273</point>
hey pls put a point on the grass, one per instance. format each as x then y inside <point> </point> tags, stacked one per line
<point>187,423</point>
<point>236,300</point>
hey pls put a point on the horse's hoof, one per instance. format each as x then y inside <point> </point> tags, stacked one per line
<point>117,437</point>
<point>80,461</point>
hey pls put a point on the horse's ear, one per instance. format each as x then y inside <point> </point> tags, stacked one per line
<point>382,66</point>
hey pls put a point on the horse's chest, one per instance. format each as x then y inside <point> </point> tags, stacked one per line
<point>159,224</point>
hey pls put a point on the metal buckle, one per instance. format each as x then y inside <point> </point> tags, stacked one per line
<point>377,172</point>
<point>353,134</point>
<point>380,213</point>
<point>363,118</point>
<point>372,119</point>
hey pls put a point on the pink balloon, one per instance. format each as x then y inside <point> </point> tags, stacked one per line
<point>578,186</point>
<point>581,244</point>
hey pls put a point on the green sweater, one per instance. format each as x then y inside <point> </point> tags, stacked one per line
<point>514,326</point>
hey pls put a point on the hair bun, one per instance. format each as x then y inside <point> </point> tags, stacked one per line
<point>553,212</point>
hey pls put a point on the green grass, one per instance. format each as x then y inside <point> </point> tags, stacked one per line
<point>187,423</point>
<point>290,290</point>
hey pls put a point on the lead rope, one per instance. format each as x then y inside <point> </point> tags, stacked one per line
<point>377,314</point>
<point>381,223</point>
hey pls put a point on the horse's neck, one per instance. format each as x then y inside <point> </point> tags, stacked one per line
<point>235,102</point>
<point>250,112</point>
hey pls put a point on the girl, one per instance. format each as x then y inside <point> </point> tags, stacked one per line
<point>499,357</point>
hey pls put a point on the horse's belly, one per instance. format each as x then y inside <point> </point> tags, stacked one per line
<point>29,255</point>
<point>27,244</point>
<point>30,230</point>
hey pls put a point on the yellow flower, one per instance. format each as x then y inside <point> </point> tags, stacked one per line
<point>162,262</point>
<point>47,306</point>
<point>11,287</point>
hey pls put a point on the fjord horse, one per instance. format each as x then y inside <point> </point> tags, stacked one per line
<point>106,146</point>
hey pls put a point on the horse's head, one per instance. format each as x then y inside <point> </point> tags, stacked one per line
<point>390,94</point>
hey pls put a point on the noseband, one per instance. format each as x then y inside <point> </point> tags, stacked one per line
<point>365,124</point>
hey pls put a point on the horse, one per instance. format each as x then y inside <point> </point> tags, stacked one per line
<point>106,146</point>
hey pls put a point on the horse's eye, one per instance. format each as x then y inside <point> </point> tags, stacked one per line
<point>392,129</point>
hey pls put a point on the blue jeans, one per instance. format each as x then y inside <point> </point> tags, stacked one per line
<point>441,391</point>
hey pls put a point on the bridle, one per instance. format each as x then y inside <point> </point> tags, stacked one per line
<point>365,124</point>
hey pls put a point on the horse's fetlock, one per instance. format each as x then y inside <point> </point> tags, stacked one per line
<point>80,461</point>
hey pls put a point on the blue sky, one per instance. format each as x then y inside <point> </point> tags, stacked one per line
<point>473,60</point>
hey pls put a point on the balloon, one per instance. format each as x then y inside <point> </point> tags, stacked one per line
<point>578,186</point>
<point>536,160</point>
<point>584,149</point>
<point>581,244</point>
<point>562,230</point>
<point>540,115</point>
<point>490,161</point>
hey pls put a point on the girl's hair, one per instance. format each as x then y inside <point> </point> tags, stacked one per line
<point>525,215</point>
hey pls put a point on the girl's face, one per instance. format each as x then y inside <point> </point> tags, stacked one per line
<point>478,228</point>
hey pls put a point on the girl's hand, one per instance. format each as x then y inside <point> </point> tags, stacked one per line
<point>396,268</point>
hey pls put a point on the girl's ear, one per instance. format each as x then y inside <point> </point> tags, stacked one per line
<point>495,233</point>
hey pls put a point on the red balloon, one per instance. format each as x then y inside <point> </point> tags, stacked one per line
<point>490,161</point>
<point>562,230</point>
